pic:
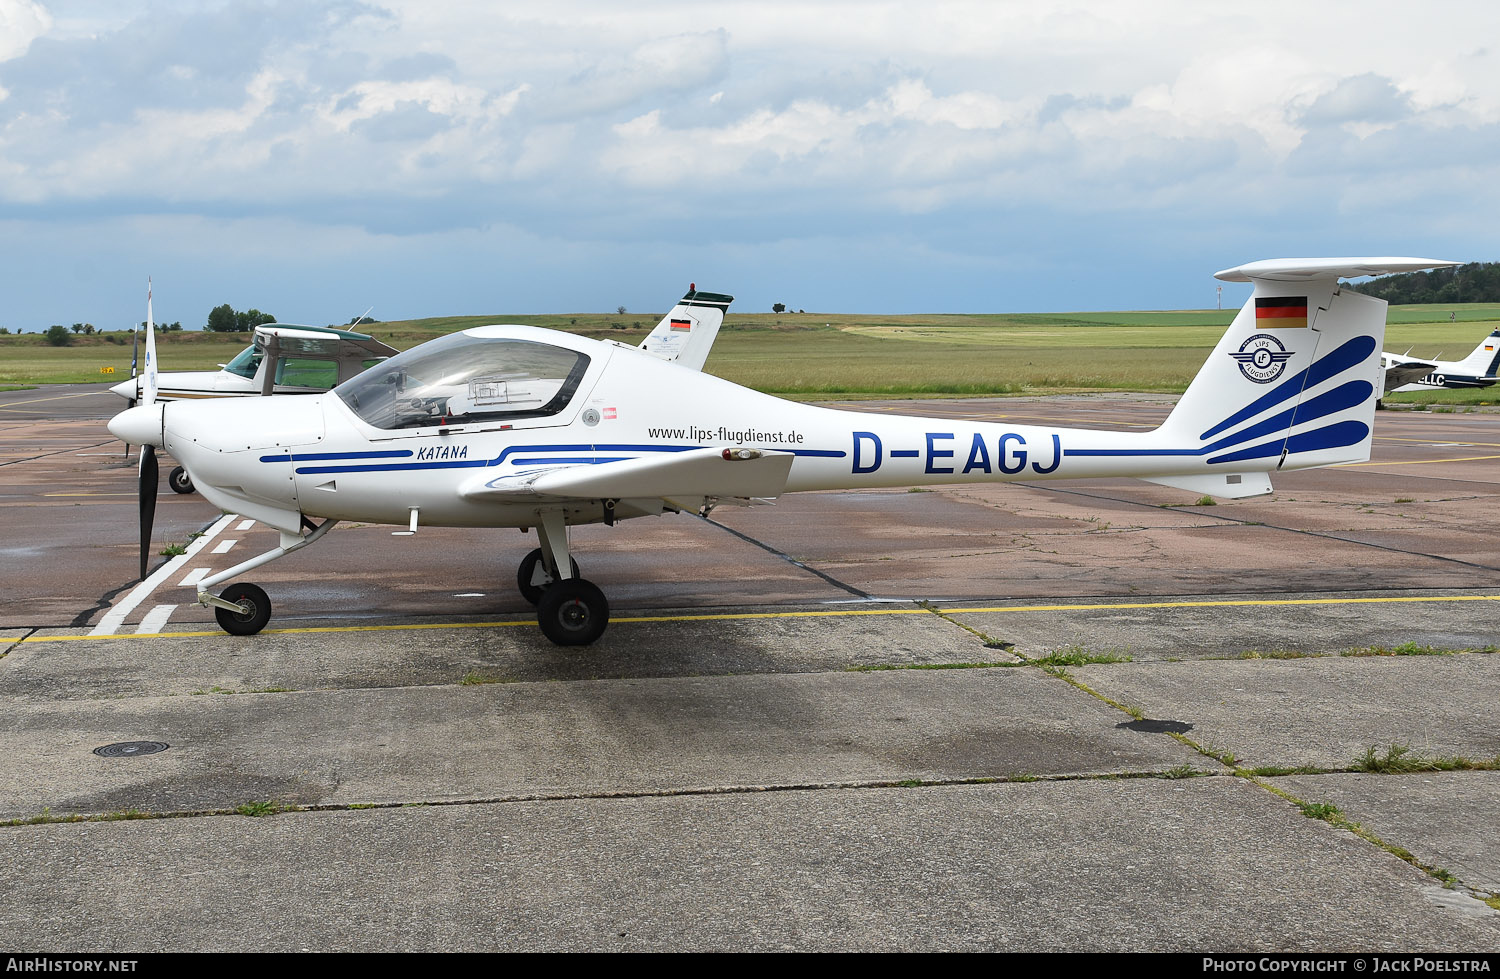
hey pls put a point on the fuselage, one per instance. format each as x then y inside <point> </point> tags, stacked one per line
<point>278,459</point>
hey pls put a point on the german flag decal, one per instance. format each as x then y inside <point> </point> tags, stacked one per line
<point>688,325</point>
<point>1281,313</point>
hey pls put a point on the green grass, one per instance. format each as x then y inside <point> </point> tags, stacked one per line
<point>1412,649</point>
<point>820,355</point>
<point>1079,656</point>
<point>1399,759</point>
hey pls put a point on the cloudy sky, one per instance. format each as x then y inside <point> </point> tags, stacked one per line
<point>425,157</point>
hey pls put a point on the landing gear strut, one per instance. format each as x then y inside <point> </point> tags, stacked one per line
<point>244,609</point>
<point>570,610</point>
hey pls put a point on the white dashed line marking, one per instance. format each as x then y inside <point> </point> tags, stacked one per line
<point>115,617</point>
<point>156,619</point>
<point>193,577</point>
<point>224,545</point>
<point>245,525</point>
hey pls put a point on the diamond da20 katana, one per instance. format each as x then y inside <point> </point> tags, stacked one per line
<point>516,426</point>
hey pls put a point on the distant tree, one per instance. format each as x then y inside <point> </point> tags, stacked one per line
<point>1476,282</point>
<point>77,327</point>
<point>88,329</point>
<point>362,320</point>
<point>778,308</point>
<point>222,319</point>
<point>4,330</point>
<point>226,319</point>
<point>620,310</point>
<point>57,335</point>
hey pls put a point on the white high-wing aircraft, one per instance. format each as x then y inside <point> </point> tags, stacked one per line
<point>283,358</point>
<point>1406,373</point>
<point>514,426</point>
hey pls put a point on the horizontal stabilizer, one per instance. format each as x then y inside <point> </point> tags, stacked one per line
<point>697,472</point>
<point>1305,269</point>
<point>1230,486</point>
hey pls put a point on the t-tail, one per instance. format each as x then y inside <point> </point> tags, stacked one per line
<point>1292,384</point>
<point>687,333</point>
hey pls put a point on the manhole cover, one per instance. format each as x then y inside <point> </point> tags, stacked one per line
<point>124,749</point>
<point>1149,726</point>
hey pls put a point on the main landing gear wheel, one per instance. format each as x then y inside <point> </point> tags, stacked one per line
<point>526,576</point>
<point>244,623</point>
<point>180,481</point>
<point>572,612</point>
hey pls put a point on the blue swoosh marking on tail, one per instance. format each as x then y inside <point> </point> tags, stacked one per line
<point>1335,436</point>
<point>1344,396</point>
<point>1346,356</point>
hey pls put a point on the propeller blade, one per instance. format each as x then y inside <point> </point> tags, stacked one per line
<point>148,487</point>
<point>148,372</point>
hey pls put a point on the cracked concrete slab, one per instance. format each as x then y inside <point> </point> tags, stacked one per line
<point>1318,712</point>
<point>1043,866</point>
<point>1186,627</point>
<point>584,737</point>
<point>1446,819</point>
<point>691,646</point>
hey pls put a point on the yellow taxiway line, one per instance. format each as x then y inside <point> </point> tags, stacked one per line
<point>823,613</point>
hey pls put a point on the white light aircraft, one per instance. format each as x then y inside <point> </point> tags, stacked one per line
<point>514,426</point>
<point>1406,373</point>
<point>283,358</point>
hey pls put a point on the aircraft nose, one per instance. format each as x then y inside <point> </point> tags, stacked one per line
<point>125,389</point>
<point>141,425</point>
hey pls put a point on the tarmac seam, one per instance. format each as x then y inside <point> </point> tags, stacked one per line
<point>1256,523</point>
<point>71,448</point>
<point>788,558</point>
<point>1338,820</point>
<point>47,819</point>
<point>16,642</point>
<point>817,613</point>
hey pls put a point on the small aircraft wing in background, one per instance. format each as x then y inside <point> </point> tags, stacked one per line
<point>1402,372</point>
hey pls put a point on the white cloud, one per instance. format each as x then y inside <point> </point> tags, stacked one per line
<point>21,22</point>
<point>974,121</point>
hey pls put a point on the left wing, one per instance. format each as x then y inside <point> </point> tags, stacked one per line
<point>1406,372</point>
<point>727,471</point>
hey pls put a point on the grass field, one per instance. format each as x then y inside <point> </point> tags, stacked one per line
<point>810,355</point>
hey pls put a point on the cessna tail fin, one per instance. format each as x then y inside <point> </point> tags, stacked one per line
<point>687,333</point>
<point>1293,382</point>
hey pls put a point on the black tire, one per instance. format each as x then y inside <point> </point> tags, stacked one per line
<point>180,481</point>
<point>533,593</point>
<point>249,623</point>
<point>572,612</point>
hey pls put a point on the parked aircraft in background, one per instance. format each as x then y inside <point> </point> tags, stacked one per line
<point>515,426</point>
<point>1406,373</point>
<point>290,359</point>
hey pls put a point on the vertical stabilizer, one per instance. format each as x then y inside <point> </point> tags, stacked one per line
<point>687,333</point>
<point>1293,383</point>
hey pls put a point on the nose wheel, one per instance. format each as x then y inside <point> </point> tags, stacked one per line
<point>256,607</point>
<point>180,481</point>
